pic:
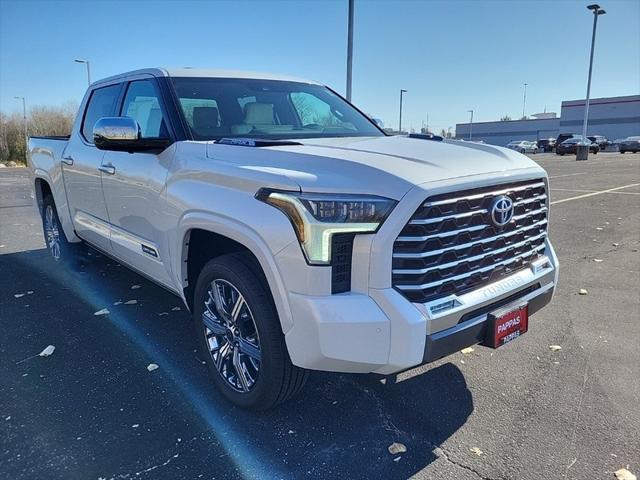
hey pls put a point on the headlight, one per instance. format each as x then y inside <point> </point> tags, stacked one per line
<point>316,217</point>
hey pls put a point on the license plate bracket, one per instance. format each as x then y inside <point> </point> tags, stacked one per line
<point>506,324</point>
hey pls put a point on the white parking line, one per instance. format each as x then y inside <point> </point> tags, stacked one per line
<point>591,191</point>
<point>591,194</point>
<point>568,175</point>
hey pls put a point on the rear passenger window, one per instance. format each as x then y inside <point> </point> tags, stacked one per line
<point>101,104</point>
<point>143,105</point>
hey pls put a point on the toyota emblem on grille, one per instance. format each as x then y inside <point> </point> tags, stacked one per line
<point>501,210</point>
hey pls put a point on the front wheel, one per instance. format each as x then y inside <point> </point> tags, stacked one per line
<point>239,334</point>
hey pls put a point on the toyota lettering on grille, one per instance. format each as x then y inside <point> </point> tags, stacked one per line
<point>501,210</point>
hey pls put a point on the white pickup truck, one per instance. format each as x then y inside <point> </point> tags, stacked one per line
<point>299,235</point>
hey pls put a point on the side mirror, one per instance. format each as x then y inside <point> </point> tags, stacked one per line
<point>123,134</point>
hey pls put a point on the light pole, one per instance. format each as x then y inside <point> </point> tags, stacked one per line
<point>524,99</point>
<point>24,123</point>
<point>582,152</point>
<point>470,124</point>
<point>349,50</point>
<point>400,122</point>
<point>86,62</point>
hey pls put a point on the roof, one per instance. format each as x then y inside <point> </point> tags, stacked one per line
<point>206,73</point>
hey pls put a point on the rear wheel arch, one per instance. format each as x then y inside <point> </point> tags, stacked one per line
<point>42,190</point>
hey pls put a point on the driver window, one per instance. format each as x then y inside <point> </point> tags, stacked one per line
<point>143,105</point>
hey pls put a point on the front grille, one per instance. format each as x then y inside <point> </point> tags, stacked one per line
<point>451,246</point>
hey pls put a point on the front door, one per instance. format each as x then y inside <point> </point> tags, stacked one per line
<point>81,164</point>
<point>133,185</point>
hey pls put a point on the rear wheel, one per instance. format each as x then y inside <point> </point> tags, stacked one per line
<point>59,247</point>
<point>239,334</point>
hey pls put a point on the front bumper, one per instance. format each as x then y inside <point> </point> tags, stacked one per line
<point>384,333</point>
<point>474,330</point>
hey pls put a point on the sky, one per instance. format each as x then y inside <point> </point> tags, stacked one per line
<point>451,56</point>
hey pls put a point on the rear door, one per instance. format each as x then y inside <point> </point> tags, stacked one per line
<point>133,185</point>
<point>81,163</point>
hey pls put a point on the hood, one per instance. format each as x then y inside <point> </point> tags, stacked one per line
<point>387,166</point>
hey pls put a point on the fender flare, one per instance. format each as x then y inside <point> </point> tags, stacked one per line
<point>244,235</point>
<point>60,199</point>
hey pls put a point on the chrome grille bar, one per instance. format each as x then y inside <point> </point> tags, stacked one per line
<point>473,272</point>
<point>431,253</point>
<point>426,221</point>
<point>470,259</point>
<point>422,252</point>
<point>485,194</point>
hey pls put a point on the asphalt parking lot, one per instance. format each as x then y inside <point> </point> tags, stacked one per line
<point>92,410</point>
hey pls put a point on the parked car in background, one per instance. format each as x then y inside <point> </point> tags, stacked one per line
<point>566,136</point>
<point>546,144</point>
<point>523,146</point>
<point>571,146</point>
<point>630,144</point>
<point>600,140</point>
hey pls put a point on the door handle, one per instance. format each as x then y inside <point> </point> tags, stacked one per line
<point>67,160</point>
<point>108,169</point>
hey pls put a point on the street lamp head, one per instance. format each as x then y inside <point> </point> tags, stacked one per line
<point>595,6</point>
<point>600,12</point>
<point>77,60</point>
<point>403,91</point>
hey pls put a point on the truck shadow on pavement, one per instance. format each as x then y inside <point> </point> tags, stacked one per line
<point>93,410</point>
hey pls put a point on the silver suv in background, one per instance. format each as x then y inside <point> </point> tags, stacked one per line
<point>523,146</point>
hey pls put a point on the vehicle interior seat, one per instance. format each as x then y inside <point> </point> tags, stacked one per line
<point>259,116</point>
<point>206,122</point>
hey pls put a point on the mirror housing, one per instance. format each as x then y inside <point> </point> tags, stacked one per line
<point>122,134</point>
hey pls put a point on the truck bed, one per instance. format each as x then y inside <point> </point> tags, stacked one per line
<point>45,152</point>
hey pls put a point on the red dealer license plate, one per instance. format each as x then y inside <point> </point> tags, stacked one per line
<point>506,325</point>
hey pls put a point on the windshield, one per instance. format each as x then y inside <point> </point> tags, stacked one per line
<point>216,108</point>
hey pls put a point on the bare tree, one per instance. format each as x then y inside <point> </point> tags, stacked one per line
<point>41,120</point>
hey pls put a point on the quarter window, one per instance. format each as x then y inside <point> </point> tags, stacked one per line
<point>101,104</point>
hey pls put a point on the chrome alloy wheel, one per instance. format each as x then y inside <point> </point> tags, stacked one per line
<point>231,335</point>
<point>52,232</point>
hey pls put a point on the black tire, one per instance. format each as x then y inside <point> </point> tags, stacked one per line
<point>277,379</point>
<point>62,251</point>
<point>522,150</point>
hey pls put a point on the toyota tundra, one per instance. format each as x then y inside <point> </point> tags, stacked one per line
<point>299,235</point>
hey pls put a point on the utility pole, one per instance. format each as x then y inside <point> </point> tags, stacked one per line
<point>86,62</point>
<point>470,124</point>
<point>582,152</point>
<point>350,50</point>
<point>400,122</point>
<point>524,99</point>
<point>24,124</point>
